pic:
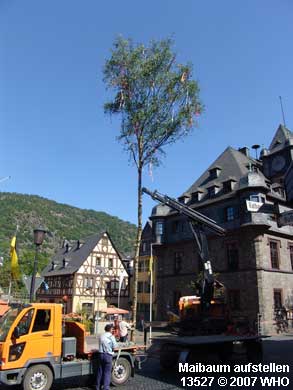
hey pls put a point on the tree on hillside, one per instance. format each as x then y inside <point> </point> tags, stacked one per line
<point>157,100</point>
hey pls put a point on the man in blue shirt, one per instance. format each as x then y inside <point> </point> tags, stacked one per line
<point>107,345</point>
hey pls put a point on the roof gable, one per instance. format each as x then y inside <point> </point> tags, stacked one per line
<point>76,256</point>
<point>280,138</point>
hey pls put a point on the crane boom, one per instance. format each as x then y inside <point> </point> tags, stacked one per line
<point>197,223</point>
<point>187,211</point>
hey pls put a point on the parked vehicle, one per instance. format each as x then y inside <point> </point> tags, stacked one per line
<point>38,347</point>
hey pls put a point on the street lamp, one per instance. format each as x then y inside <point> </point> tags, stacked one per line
<point>151,291</point>
<point>39,234</point>
<point>100,271</point>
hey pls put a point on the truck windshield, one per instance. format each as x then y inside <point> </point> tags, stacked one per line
<point>6,321</point>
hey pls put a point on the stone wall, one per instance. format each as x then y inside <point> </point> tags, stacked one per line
<point>255,277</point>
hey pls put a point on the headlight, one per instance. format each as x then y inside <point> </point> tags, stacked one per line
<point>15,351</point>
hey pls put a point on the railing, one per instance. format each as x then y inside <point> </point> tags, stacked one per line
<point>17,296</point>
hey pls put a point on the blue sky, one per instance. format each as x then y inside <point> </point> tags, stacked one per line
<point>56,141</point>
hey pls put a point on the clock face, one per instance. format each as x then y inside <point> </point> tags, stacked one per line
<point>278,163</point>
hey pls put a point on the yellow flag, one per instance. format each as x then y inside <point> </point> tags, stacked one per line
<point>151,263</point>
<point>14,259</point>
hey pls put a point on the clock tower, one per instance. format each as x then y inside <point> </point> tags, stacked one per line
<point>278,157</point>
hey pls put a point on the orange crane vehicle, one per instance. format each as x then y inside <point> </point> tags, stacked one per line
<point>204,320</point>
<point>206,313</point>
<point>37,346</point>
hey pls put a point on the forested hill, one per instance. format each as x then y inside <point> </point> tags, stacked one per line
<point>61,220</point>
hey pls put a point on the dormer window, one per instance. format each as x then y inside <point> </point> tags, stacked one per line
<point>277,143</point>
<point>65,263</point>
<point>252,168</point>
<point>53,266</point>
<point>213,190</point>
<point>215,172</point>
<point>183,199</point>
<point>197,196</point>
<point>228,186</point>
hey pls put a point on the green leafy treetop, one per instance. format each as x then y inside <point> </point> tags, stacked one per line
<point>158,101</point>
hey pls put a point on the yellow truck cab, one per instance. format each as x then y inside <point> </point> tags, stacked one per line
<point>36,347</point>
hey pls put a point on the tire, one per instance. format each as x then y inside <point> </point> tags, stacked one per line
<point>225,351</point>
<point>169,355</point>
<point>121,371</point>
<point>254,351</point>
<point>38,377</point>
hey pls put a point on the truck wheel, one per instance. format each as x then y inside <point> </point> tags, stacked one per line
<point>254,352</point>
<point>121,372</point>
<point>168,356</point>
<point>225,351</point>
<point>38,377</point>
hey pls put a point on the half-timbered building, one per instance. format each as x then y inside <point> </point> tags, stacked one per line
<point>87,276</point>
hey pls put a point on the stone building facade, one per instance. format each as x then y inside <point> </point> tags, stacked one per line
<point>248,197</point>
<point>146,300</point>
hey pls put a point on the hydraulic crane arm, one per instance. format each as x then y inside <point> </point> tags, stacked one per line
<point>197,222</point>
<point>193,215</point>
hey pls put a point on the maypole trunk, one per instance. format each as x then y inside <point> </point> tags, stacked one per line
<point>137,244</point>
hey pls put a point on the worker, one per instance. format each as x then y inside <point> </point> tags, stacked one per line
<point>107,344</point>
<point>123,327</point>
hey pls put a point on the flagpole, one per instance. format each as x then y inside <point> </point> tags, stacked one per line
<point>9,290</point>
<point>151,293</point>
<point>121,278</point>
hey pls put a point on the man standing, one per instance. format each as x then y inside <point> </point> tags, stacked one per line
<point>123,327</point>
<point>106,351</point>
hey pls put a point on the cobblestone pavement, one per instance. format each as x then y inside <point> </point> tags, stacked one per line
<point>148,378</point>
<point>278,350</point>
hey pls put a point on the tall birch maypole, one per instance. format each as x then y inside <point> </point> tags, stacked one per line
<point>158,102</point>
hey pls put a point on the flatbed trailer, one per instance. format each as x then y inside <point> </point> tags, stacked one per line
<point>172,349</point>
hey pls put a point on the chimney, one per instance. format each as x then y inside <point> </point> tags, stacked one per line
<point>244,150</point>
<point>263,152</point>
<point>78,244</point>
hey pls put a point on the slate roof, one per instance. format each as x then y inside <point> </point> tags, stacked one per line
<point>234,166</point>
<point>75,256</point>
